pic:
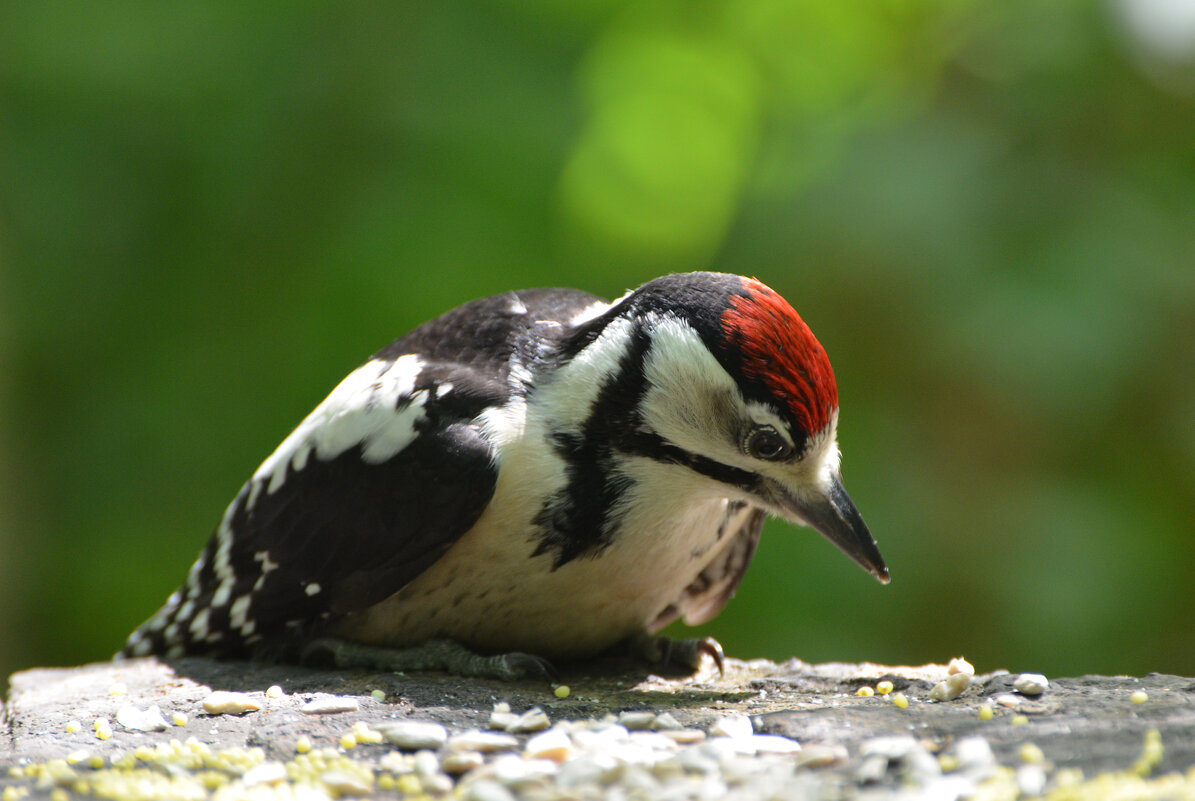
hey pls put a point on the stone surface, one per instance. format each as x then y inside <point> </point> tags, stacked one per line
<point>1087,723</point>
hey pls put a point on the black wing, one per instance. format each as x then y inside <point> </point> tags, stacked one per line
<point>371,489</point>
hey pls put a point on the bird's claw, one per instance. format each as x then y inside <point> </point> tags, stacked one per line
<point>684,654</point>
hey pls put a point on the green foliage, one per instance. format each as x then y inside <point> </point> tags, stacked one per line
<point>210,213</point>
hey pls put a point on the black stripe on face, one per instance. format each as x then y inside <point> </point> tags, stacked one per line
<point>582,518</point>
<point>655,447</point>
<point>577,520</point>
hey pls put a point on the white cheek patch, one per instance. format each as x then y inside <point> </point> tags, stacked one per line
<point>375,407</point>
<point>691,400</point>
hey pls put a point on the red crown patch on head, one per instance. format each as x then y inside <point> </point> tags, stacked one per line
<point>780,351</point>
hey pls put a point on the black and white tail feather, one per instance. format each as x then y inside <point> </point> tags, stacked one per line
<point>538,471</point>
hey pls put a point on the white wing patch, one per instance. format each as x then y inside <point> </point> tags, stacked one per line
<point>375,407</point>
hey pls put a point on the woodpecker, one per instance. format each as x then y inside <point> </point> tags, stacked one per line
<point>533,477</point>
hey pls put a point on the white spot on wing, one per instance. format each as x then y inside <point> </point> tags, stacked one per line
<point>222,594</point>
<point>239,611</point>
<point>375,406</point>
<point>198,626</point>
<point>591,311</point>
<point>266,564</point>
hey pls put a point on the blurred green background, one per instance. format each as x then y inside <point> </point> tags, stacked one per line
<point>210,212</point>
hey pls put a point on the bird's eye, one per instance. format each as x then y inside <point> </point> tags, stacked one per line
<point>764,442</point>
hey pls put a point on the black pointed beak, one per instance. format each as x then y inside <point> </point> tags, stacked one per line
<point>833,515</point>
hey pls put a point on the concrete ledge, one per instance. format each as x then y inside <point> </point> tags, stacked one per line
<point>1089,724</point>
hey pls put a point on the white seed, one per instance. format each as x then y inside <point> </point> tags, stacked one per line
<point>684,736</point>
<point>265,773</point>
<point>137,719</point>
<point>459,762</point>
<point>554,744</point>
<point>223,702</point>
<point>635,720</point>
<point>426,763</point>
<point>960,665</point>
<point>486,790</point>
<point>534,719</point>
<point>664,720</point>
<point>412,735</point>
<point>342,782</point>
<point>817,756</point>
<point>483,741</point>
<point>1031,684</point>
<point>275,691</point>
<point>774,744</point>
<point>732,726</point>
<point>959,681</point>
<point>1031,780</point>
<point>330,705</point>
<point>502,721</point>
<point>942,691</point>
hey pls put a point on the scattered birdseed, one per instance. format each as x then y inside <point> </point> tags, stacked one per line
<point>900,700</point>
<point>330,705</point>
<point>1031,684</point>
<point>960,665</point>
<point>562,691</point>
<point>865,692</point>
<point>985,712</point>
<point>348,741</point>
<point>366,735</point>
<point>378,695</point>
<point>303,744</point>
<point>73,726</point>
<point>1031,754</point>
<point>1019,720</point>
<point>179,719</point>
<point>275,691</point>
<point>223,702</point>
<point>884,687</point>
<point>118,688</point>
<point>1151,754</point>
<point>1139,697</point>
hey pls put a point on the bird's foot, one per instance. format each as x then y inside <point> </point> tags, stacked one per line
<point>444,655</point>
<point>683,654</point>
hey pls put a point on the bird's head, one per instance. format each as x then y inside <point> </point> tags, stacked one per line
<point>732,384</point>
